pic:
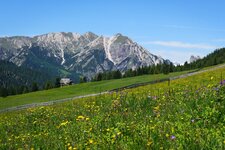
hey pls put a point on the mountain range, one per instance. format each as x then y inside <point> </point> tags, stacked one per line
<point>73,54</point>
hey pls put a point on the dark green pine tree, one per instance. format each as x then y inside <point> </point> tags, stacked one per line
<point>4,92</point>
<point>165,68</point>
<point>57,82</point>
<point>25,89</point>
<point>83,79</point>
<point>34,87</point>
<point>99,77</point>
<point>48,85</point>
<point>117,74</point>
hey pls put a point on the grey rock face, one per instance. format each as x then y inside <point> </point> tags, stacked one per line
<point>85,54</point>
<point>194,58</point>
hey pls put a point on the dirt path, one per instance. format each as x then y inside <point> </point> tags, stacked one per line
<point>118,89</point>
<point>47,103</point>
<point>198,72</point>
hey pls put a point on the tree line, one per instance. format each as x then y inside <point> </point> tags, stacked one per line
<point>143,70</point>
<point>15,90</point>
<point>214,58</point>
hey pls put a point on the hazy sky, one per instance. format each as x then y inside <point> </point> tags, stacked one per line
<point>173,29</point>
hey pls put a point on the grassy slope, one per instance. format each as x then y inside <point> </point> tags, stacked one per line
<point>148,117</point>
<point>77,90</point>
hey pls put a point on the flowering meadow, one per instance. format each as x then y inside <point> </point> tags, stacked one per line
<point>185,113</point>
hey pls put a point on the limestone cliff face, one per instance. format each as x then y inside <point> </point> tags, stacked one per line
<point>85,54</point>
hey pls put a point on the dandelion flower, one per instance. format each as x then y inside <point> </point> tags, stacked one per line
<point>70,148</point>
<point>91,141</point>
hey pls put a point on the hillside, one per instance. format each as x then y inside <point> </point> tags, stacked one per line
<point>78,90</point>
<point>214,58</point>
<point>187,113</point>
<point>20,79</point>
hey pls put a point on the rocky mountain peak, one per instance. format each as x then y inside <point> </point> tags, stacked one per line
<point>15,42</point>
<point>119,38</point>
<point>58,37</point>
<point>118,34</point>
<point>90,36</point>
<point>85,54</point>
<point>194,58</point>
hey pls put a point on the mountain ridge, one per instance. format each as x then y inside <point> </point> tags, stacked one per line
<point>81,54</point>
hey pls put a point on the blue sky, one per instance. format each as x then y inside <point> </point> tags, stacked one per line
<point>173,29</point>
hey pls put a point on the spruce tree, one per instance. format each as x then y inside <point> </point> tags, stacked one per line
<point>34,87</point>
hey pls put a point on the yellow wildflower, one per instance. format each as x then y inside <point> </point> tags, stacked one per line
<point>118,133</point>
<point>64,123</point>
<point>91,141</point>
<point>156,108</point>
<point>113,136</point>
<point>70,148</point>
<point>81,117</point>
<point>149,143</point>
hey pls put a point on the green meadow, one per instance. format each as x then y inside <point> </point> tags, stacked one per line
<point>186,113</point>
<point>78,90</point>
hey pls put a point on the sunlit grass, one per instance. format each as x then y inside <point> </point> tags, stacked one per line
<point>77,90</point>
<point>188,113</point>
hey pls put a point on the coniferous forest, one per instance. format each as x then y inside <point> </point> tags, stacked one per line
<point>17,80</point>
